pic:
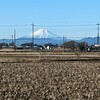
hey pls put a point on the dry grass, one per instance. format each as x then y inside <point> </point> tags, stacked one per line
<point>50,81</point>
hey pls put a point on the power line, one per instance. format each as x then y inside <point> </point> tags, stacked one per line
<point>79,37</point>
<point>65,25</point>
<point>15,25</point>
<point>75,25</point>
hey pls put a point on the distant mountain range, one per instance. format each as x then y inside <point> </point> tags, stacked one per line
<point>89,40</point>
<point>43,36</point>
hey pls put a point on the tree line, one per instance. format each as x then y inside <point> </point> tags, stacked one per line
<point>73,45</point>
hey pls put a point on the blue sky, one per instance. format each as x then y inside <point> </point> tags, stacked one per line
<point>50,12</point>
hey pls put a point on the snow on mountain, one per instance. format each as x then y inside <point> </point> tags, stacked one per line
<point>42,33</point>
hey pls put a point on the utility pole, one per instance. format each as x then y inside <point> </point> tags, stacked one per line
<point>98,33</point>
<point>32,36</point>
<point>14,40</point>
<point>63,43</point>
<point>85,47</point>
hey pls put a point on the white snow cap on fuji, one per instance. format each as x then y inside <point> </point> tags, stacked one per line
<point>42,33</point>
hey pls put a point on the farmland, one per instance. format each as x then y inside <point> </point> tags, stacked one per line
<point>49,76</point>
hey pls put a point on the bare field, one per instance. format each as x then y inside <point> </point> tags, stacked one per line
<point>38,79</point>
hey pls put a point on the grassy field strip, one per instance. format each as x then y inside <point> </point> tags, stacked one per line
<point>32,57</point>
<point>46,55</point>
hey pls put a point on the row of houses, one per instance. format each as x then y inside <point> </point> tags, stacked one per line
<point>47,46</point>
<point>50,46</point>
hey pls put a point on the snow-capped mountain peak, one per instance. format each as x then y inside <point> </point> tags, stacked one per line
<point>42,33</point>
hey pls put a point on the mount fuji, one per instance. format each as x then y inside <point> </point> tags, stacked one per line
<point>41,37</point>
<point>42,33</point>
